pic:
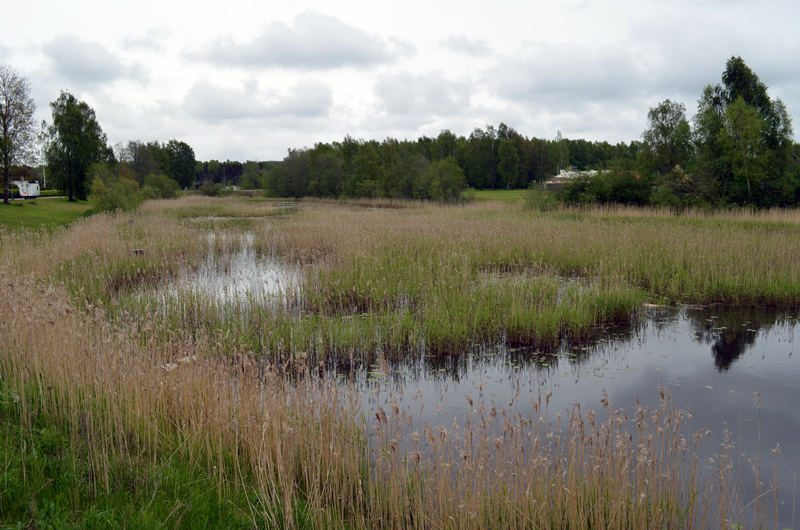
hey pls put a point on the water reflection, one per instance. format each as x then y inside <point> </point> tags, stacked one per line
<point>238,274</point>
<point>734,331</point>
<point>713,360</point>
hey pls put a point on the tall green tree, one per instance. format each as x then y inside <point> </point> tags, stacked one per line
<point>746,170</point>
<point>667,137</point>
<point>17,133</point>
<point>508,164</point>
<point>74,142</point>
<point>541,163</point>
<point>740,138</point>
<point>181,162</point>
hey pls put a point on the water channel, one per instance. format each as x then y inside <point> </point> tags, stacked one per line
<point>714,361</point>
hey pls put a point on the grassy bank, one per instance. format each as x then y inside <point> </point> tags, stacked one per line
<point>508,196</point>
<point>34,214</point>
<point>113,395</point>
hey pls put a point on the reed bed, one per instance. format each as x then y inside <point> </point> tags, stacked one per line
<point>425,278</point>
<point>302,453</point>
<point>237,391</point>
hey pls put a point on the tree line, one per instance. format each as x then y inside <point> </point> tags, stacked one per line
<point>738,149</point>
<point>436,168</point>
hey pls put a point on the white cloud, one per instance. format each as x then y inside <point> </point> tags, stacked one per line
<point>209,103</point>
<point>465,45</point>
<point>313,42</point>
<point>566,74</point>
<point>86,63</point>
<point>422,96</point>
<point>252,81</point>
<point>154,39</point>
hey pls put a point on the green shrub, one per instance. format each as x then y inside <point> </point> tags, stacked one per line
<point>150,193</point>
<point>622,187</point>
<point>165,187</point>
<point>209,188</point>
<point>110,192</point>
<point>121,194</point>
<point>443,180</point>
<point>541,199</point>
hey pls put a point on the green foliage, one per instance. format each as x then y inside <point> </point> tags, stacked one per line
<point>210,189</point>
<point>508,165</point>
<point>163,186</point>
<point>367,173</point>
<point>667,137</point>
<point>740,138</point>
<point>744,141</point>
<point>110,193</point>
<point>180,163</point>
<point>442,181</point>
<point>74,142</point>
<point>676,190</point>
<point>541,199</point>
<point>252,175</point>
<point>622,187</point>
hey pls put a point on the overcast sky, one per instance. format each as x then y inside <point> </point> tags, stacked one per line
<point>246,80</point>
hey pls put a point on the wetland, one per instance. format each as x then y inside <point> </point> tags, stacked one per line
<point>417,366</point>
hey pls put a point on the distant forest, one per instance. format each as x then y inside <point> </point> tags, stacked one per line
<point>737,150</point>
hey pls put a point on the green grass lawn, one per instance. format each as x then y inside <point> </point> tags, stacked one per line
<point>501,195</point>
<point>40,212</point>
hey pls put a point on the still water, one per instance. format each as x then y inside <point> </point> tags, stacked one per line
<point>240,275</point>
<point>713,360</point>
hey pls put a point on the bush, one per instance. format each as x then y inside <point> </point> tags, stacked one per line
<point>118,194</point>
<point>111,193</point>
<point>149,193</point>
<point>623,187</point>
<point>165,187</point>
<point>441,181</point>
<point>541,199</point>
<point>209,188</point>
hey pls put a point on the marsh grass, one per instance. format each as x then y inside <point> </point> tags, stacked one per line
<point>412,279</point>
<point>236,393</point>
<point>302,454</point>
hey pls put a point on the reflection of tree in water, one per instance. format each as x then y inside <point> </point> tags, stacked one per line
<point>731,331</point>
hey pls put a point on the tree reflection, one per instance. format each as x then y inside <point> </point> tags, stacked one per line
<point>730,331</point>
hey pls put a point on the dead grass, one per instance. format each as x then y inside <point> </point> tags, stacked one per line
<point>140,390</point>
<point>137,398</point>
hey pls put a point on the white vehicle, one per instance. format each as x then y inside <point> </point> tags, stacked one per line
<point>27,190</point>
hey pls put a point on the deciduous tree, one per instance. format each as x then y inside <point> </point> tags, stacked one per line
<point>508,164</point>
<point>74,142</point>
<point>17,133</point>
<point>667,137</point>
<point>181,162</point>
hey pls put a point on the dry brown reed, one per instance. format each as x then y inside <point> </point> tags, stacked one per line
<point>134,400</point>
<point>136,391</point>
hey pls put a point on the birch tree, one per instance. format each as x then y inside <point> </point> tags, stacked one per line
<point>17,134</point>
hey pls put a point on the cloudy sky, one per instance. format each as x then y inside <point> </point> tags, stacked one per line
<point>246,80</point>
